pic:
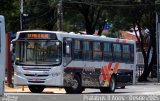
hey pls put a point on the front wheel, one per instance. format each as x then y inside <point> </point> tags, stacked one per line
<point>76,86</point>
<point>111,88</point>
<point>36,88</point>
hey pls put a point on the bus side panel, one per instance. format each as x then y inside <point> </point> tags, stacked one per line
<point>89,73</point>
<point>98,74</point>
<point>70,70</point>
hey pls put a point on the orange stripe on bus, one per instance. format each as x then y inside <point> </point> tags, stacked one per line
<point>101,78</point>
<point>106,69</point>
<point>109,66</point>
<point>115,68</point>
<point>118,39</point>
<point>124,41</point>
<point>103,73</point>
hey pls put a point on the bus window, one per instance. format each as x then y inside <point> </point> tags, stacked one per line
<point>97,51</point>
<point>126,53</point>
<point>77,52</point>
<point>42,52</point>
<point>117,52</point>
<point>107,52</point>
<point>132,53</point>
<point>87,52</point>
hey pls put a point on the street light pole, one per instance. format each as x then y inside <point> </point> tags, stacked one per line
<point>21,14</point>
<point>60,15</point>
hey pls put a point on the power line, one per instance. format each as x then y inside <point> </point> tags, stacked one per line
<point>41,15</point>
<point>53,19</point>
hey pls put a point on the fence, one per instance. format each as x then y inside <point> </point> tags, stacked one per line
<point>152,75</point>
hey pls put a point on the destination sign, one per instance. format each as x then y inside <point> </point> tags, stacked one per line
<point>38,36</point>
<point>46,36</point>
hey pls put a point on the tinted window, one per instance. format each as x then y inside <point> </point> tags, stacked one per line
<point>107,51</point>
<point>77,52</point>
<point>87,52</point>
<point>132,53</point>
<point>117,52</point>
<point>126,53</point>
<point>97,51</point>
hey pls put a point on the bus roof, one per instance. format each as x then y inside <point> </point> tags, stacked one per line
<point>66,34</point>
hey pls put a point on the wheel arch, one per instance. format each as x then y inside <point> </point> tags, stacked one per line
<point>78,74</point>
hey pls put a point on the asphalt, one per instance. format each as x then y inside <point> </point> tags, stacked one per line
<point>138,88</point>
<point>25,89</point>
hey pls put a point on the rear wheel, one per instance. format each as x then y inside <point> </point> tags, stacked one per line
<point>111,88</point>
<point>36,88</point>
<point>76,86</point>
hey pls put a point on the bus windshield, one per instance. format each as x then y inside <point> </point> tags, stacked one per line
<point>38,52</point>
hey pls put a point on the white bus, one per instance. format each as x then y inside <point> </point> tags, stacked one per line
<point>2,54</point>
<point>72,61</point>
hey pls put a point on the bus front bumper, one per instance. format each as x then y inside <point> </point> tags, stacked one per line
<point>49,81</point>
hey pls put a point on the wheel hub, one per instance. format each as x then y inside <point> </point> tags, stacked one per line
<point>75,84</point>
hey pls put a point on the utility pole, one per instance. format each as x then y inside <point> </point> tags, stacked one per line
<point>8,60</point>
<point>60,15</point>
<point>21,14</point>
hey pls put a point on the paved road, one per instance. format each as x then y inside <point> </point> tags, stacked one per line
<point>138,89</point>
<point>138,92</point>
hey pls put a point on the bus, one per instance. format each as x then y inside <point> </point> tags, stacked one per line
<point>73,61</point>
<point>2,54</point>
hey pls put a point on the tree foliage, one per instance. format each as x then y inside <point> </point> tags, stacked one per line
<point>92,14</point>
<point>139,15</point>
<point>10,9</point>
<point>79,14</point>
<point>41,14</point>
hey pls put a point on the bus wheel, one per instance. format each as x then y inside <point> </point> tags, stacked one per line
<point>36,88</point>
<point>76,86</point>
<point>111,88</point>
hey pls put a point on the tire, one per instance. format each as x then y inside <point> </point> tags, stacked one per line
<point>123,87</point>
<point>36,88</point>
<point>111,88</point>
<point>76,87</point>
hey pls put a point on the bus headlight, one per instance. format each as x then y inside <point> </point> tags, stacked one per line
<point>17,73</point>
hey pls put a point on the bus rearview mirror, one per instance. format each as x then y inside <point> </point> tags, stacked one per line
<point>67,49</point>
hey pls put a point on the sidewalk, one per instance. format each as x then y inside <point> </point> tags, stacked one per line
<point>25,89</point>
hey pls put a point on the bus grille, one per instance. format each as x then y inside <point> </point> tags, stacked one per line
<point>36,81</point>
<point>38,75</point>
<point>36,68</point>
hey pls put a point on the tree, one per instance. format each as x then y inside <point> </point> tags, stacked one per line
<point>141,15</point>
<point>10,10</point>
<point>92,14</point>
<point>73,20</point>
<point>41,14</point>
